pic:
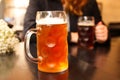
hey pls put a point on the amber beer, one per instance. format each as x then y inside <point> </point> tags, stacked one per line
<point>86,32</point>
<point>52,45</point>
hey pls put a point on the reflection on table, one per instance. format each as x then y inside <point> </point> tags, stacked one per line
<point>101,63</point>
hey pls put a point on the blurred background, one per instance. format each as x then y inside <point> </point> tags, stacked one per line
<point>13,11</point>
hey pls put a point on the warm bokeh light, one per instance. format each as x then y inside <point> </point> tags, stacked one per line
<point>20,3</point>
<point>15,11</point>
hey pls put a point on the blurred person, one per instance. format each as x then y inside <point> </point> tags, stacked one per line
<point>74,9</point>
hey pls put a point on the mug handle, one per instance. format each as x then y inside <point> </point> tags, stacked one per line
<point>27,46</point>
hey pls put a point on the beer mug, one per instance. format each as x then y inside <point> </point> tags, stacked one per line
<point>52,47</point>
<point>86,32</point>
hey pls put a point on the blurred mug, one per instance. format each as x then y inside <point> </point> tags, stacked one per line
<point>86,31</point>
<point>52,46</point>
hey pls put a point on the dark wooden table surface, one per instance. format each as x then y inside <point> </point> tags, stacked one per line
<point>102,63</point>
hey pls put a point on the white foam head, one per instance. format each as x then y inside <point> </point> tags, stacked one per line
<point>51,21</point>
<point>86,23</point>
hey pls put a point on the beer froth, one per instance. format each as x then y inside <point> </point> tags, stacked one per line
<point>86,24</point>
<point>49,21</point>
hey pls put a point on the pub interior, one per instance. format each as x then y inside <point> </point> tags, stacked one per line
<point>102,63</point>
<point>13,11</point>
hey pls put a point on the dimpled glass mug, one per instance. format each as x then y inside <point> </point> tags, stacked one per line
<point>52,47</point>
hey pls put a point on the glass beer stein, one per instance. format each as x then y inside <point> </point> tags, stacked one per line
<point>86,32</point>
<point>52,47</point>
